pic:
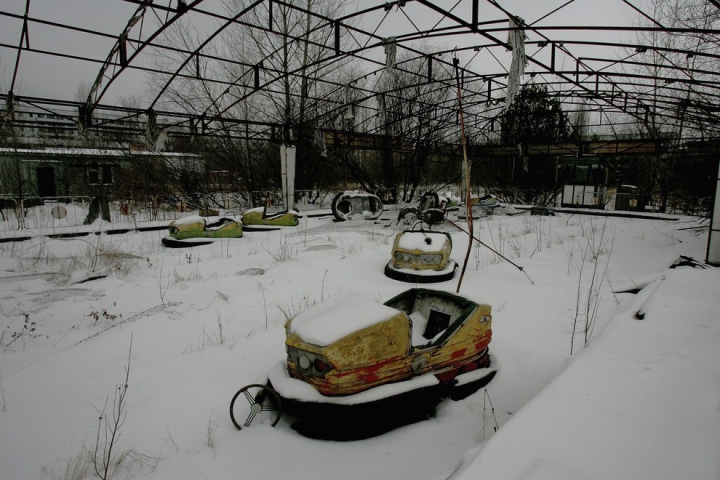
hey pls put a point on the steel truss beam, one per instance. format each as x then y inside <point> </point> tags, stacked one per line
<point>667,92</point>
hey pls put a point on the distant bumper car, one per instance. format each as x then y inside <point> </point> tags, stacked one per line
<point>487,205</point>
<point>259,216</point>
<point>421,257</point>
<point>194,230</point>
<point>542,211</point>
<point>354,205</point>
<point>487,202</point>
<point>356,368</point>
<point>431,210</point>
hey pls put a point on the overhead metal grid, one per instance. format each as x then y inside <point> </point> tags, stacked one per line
<point>245,69</point>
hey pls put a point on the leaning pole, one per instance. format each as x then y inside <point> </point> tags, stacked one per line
<point>713,248</point>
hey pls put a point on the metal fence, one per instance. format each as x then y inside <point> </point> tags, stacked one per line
<point>42,212</point>
<point>51,212</point>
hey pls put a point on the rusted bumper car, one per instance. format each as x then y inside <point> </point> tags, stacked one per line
<point>194,230</point>
<point>260,216</point>
<point>356,368</point>
<point>355,205</point>
<point>421,257</point>
<point>432,209</point>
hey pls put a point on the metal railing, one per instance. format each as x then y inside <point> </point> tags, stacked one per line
<point>42,212</point>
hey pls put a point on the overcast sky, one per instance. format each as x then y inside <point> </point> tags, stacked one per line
<point>53,77</point>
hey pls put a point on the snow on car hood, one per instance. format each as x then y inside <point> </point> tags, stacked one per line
<point>418,241</point>
<point>189,220</point>
<point>338,317</point>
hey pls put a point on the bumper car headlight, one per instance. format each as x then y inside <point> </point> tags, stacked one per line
<point>304,362</point>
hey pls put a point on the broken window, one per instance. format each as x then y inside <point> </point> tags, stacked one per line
<point>100,175</point>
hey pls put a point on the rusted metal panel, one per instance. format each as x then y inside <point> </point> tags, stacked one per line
<point>415,256</point>
<point>600,147</point>
<point>382,353</point>
<point>199,229</point>
<point>369,346</point>
<point>471,339</point>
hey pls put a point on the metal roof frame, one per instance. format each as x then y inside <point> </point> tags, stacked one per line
<point>623,82</point>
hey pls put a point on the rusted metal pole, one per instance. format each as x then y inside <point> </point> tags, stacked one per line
<point>466,169</point>
<point>491,249</point>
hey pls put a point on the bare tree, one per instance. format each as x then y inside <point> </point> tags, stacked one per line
<point>678,78</point>
<point>301,83</point>
<point>292,50</point>
<point>409,109</point>
<point>14,177</point>
<point>277,46</point>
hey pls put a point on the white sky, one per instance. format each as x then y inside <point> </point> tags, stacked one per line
<point>49,77</point>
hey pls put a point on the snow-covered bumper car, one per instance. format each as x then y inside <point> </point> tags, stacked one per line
<point>486,205</point>
<point>195,230</point>
<point>421,257</point>
<point>356,368</point>
<point>486,201</point>
<point>259,216</point>
<point>354,205</point>
<point>432,209</point>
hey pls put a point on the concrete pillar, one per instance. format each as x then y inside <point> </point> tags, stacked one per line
<point>287,171</point>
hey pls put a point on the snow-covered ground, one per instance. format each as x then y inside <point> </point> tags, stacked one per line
<point>640,399</point>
